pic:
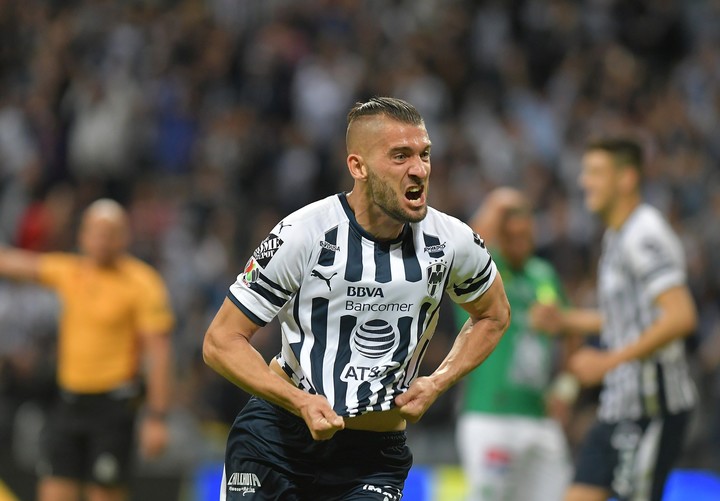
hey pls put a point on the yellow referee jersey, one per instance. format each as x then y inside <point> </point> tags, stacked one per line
<point>104,314</point>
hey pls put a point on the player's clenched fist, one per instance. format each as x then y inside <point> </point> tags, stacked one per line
<point>417,399</point>
<point>321,419</point>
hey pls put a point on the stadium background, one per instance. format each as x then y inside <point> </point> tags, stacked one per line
<point>210,120</point>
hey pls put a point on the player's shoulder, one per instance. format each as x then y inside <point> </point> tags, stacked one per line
<point>311,220</point>
<point>647,223</point>
<point>438,217</point>
<point>450,230</point>
<point>443,223</point>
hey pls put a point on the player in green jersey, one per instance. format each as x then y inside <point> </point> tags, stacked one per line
<point>510,449</point>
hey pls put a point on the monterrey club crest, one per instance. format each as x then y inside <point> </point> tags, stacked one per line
<point>267,249</point>
<point>436,277</point>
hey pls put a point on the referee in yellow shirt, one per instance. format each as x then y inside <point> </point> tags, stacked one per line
<point>115,318</point>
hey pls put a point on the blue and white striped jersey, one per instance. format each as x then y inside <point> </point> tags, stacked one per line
<point>357,314</point>
<point>639,262</point>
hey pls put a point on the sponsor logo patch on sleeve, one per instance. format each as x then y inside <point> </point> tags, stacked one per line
<point>251,272</point>
<point>267,249</point>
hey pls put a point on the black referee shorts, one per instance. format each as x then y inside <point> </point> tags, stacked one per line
<point>271,455</point>
<point>632,458</point>
<point>90,438</point>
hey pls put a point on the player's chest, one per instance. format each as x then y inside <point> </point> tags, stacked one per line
<point>614,274</point>
<point>367,273</point>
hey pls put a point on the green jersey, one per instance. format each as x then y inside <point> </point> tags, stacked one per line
<point>514,377</point>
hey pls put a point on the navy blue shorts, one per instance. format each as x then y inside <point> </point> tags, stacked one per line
<point>271,455</point>
<point>632,459</point>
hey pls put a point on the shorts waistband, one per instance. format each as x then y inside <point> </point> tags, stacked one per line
<point>387,437</point>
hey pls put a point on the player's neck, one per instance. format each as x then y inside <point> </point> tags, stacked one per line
<point>621,212</point>
<point>372,219</point>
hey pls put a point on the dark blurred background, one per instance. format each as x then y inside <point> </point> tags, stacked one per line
<point>210,120</point>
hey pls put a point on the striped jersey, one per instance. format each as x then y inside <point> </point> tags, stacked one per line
<point>638,262</point>
<point>356,313</point>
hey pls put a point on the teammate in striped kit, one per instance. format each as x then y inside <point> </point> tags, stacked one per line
<point>645,311</point>
<point>356,282</point>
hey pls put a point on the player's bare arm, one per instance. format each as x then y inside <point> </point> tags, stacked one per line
<point>19,264</point>
<point>677,319</point>
<point>489,317</point>
<point>228,351</point>
<point>552,319</point>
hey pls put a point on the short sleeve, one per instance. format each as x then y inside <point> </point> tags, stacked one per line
<point>656,259</point>
<point>473,269</point>
<point>56,268</point>
<point>155,314</point>
<point>273,273</point>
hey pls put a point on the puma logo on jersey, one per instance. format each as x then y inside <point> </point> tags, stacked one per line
<point>282,225</point>
<point>247,483</point>
<point>319,275</point>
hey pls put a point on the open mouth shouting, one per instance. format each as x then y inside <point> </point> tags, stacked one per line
<point>415,195</point>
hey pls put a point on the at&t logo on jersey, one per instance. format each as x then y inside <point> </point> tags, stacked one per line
<point>247,483</point>
<point>370,342</point>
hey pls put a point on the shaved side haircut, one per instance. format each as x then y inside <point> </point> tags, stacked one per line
<point>397,109</point>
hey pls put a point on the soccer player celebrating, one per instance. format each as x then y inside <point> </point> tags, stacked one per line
<point>356,281</point>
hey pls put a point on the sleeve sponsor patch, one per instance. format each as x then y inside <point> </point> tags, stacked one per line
<point>267,249</point>
<point>251,272</point>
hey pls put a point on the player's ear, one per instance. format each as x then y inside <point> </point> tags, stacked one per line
<point>356,166</point>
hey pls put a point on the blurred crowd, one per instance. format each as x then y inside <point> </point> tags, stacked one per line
<point>210,120</point>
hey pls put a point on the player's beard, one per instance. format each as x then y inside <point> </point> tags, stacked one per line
<point>388,201</point>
